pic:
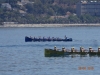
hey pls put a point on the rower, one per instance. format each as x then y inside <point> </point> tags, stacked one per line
<point>55,48</point>
<point>90,49</point>
<point>65,37</point>
<point>63,49</point>
<point>98,49</point>
<point>43,37</point>
<point>82,49</point>
<point>34,37</point>
<point>72,49</point>
<point>39,37</point>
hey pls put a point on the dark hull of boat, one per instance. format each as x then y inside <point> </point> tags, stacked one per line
<point>30,39</point>
<point>50,52</point>
<point>53,53</point>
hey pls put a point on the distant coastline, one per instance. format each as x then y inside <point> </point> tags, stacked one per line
<point>48,25</point>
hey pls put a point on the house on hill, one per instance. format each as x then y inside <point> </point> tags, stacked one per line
<point>6,5</point>
<point>86,7</point>
<point>24,2</point>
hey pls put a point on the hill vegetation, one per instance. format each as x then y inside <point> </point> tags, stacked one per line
<point>43,11</point>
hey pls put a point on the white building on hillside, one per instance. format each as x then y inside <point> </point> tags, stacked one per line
<point>85,7</point>
<point>6,5</point>
<point>24,1</point>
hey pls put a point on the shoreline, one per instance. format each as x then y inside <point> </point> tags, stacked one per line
<point>48,25</point>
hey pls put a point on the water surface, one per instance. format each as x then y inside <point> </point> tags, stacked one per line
<point>20,58</point>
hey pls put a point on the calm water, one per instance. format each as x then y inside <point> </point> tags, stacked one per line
<point>20,58</point>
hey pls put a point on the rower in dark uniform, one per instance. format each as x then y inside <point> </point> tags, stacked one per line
<point>65,37</point>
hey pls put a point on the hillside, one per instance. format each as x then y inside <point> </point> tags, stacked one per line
<point>42,11</point>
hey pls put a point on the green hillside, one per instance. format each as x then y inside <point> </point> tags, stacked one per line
<point>43,11</point>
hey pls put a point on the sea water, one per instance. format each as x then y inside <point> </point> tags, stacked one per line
<point>18,57</point>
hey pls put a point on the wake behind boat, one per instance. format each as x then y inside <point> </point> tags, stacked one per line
<point>43,39</point>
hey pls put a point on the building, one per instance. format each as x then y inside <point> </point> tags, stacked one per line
<point>22,12</point>
<point>24,1</point>
<point>85,7</point>
<point>6,5</point>
<point>6,23</point>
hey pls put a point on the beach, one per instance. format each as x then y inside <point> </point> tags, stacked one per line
<point>48,25</point>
